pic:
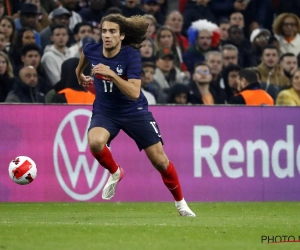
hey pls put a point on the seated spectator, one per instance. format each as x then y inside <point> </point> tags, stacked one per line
<point>223,27</point>
<point>67,90</point>
<point>269,68</point>
<point>203,36</point>
<point>288,64</point>
<point>70,6</point>
<point>152,25</point>
<point>8,28</point>
<point>237,18</point>
<point>200,11</point>
<point>131,8</point>
<point>24,36</point>
<point>271,89</point>
<point>236,37</point>
<point>60,16</point>
<point>214,61</point>
<point>179,94</point>
<point>273,41</point>
<point>201,91</point>
<point>230,54</point>
<point>250,92</point>
<point>87,71</point>
<point>81,30</point>
<point>147,50</point>
<point>152,7</point>
<point>249,9</point>
<point>148,70</point>
<point>25,88</point>
<point>230,75</point>
<point>291,96</point>
<point>286,28</point>
<point>175,21</point>
<point>150,85</point>
<point>166,39</point>
<point>43,20</point>
<point>96,33</point>
<point>166,73</point>
<point>259,39</point>
<point>6,76</point>
<point>29,18</point>
<point>56,54</point>
<point>31,56</point>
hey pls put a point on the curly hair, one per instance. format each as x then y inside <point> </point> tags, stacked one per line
<point>278,23</point>
<point>134,28</point>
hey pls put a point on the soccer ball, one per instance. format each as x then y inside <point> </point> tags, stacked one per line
<point>22,170</point>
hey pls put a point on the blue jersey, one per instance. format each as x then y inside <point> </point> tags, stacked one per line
<point>127,65</point>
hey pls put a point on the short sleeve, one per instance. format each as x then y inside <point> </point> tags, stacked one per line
<point>135,65</point>
<point>90,47</point>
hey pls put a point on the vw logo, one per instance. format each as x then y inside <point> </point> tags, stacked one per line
<point>78,173</point>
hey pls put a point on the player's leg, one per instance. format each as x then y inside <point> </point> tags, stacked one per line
<point>166,168</point>
<point>97,139</point>
<point>144,130</point>
<point>160,161</point>
<point>102,130</point>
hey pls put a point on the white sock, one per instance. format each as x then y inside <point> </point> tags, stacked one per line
<point>180,203</point>
<point>117,173</point>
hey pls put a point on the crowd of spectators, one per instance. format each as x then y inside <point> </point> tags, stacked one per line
<point>196,51</point>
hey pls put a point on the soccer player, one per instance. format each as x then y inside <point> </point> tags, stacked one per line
<point>120,104</point>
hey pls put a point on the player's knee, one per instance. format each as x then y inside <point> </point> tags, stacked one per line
<point>96,144</point>
<point>160,163</point>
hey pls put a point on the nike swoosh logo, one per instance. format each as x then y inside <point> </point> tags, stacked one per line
<point>173,188</point>
<point>94,65</point>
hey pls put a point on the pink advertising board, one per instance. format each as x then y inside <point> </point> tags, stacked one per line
<point>221,154</point>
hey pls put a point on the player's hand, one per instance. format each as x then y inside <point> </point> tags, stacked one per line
<point>102,70</point>
<point>85,81</point>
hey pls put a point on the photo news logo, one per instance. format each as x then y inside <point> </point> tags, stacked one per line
<point>275,239</point>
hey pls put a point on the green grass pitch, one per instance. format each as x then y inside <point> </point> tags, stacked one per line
<point>143,226</point>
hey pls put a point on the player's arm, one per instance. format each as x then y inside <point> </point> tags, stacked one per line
<point>131,87</point>
<point>82,79</point>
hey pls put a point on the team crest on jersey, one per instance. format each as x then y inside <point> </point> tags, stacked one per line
<point>119,70</point>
